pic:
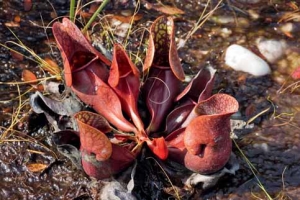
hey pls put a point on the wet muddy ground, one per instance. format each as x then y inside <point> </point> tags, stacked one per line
<point>272,145</point>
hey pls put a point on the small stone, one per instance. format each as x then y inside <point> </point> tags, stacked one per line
<point>225,32</point>
<point>253,14</point>
<point>272,50</point>
<point>249,1</point>
<point>241,59</point>
<point>119,28</point>
<point>115,191</point>
<point>264,146</point>
<point>122,30</point>
<point>287,27</point>
<point>223,19</point>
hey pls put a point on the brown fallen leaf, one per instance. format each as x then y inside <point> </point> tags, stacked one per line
<point>250,110</point>
<point>84,14</point>
<point>53,15</point>
<point>36,167</point>
<point>39,87</point>
<point>169,10</point>
<point>53,66</point>
<point>29,76</point>
<point>127,19</point>
<point>93,7</point>
<point>17,56</point>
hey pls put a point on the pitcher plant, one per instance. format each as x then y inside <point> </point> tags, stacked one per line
<point>184,124</point>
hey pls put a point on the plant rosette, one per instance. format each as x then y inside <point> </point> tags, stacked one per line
<point>187,125</point>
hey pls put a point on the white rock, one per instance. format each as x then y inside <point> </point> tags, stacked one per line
<point>272,50</point>
<point>119,28</point>
<point>241,59</point>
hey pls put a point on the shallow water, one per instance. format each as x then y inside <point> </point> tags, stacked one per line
<point>272,146</point>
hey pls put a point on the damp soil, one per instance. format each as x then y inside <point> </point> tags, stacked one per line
<point>271,144</point>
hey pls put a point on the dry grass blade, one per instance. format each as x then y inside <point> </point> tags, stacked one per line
<point>202,19</point>
<point>28,82</point>
<point>29,139</point>
<point>137,8</point>
<point>108,32</point>
<point>27,76</point>
<point>138,53</point>
<point>17,97</point>
<point>44,65</point>
<point>290,16</point>
<point>37,59</point>
<point>279,116</point>
<point>292,87</point>
<point>36,167</point>
<point>282,194</point>
<point>79,8</point>
<point>15,118</point>
<point>253,170</point>
<point>36,152</point>
<point>174,188</point>
<point>257,115</point>
<point>54,13</point>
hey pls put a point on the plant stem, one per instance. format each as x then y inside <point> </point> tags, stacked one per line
<point>72,10</point>
<point>103,4</point>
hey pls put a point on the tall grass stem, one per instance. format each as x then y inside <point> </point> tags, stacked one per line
<point>72,10</point>
<point>103,4</point>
